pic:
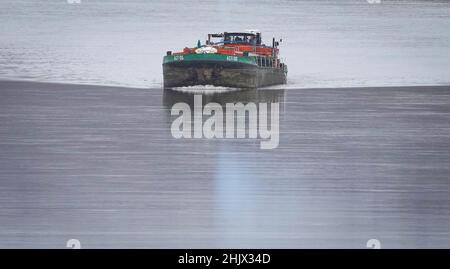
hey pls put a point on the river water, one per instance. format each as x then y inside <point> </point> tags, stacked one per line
<point>325,43</point>
<point>99,164</point>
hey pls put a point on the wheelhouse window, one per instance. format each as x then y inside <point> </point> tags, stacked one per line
<point>242,38</point>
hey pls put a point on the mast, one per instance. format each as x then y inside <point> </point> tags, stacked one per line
<point>273,46</point>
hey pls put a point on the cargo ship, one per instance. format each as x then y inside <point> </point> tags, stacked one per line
<point>229,59</point>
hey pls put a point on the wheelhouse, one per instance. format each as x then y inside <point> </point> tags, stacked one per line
<point>238,38</point>
<point>242,38</point>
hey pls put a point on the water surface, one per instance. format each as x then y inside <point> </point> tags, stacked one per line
<point>99,164</point>
<point>338,43</point>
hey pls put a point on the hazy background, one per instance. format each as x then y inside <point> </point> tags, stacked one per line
<point>326,43</point>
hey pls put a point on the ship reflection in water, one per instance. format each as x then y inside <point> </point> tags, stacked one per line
<point>100,165</point>
<point>240,185</point>
<point>233,115</point>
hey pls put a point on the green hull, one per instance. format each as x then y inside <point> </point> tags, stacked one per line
<point>209,57</point>
<point>219,70</point>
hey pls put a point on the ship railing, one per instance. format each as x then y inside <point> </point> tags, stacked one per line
<point>270,62</point>
<point>264,61</point>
